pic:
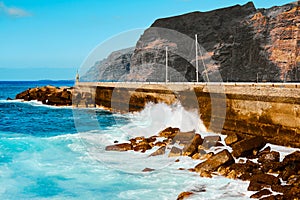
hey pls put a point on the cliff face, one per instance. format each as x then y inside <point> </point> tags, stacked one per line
<point>114,67</point>
<point>238,43</point>
<point>241,43</point>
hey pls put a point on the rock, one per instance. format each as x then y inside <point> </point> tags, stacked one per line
<point>160,144</point>
<point>119,147</point>
<point>9,99</point>
<point>184,195</point>
<point>246,170</point>
<point>293,193</point>
<point>148,170</point>
<point>175,152</point>
<point>291,165</point>
<point>261,193</point>
<point>273,197</point>
<point>259,181</point>
<point>231,139</point>
<point>294,180</point>
<point>272,156</point>
<point>169,132</point>
<point>246,146</point>
<point>48,95</point>
<point>210,141</point>
<point>184,138</point>
<point>159,151</point>
<point>222,158</point>
<point>143,146</point>
<point>192,148</point>
<point>206,156</point>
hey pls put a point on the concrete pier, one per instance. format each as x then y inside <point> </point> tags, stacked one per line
<point>271,110</point>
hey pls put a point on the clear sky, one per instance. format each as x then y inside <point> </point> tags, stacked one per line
<point>49,39</point>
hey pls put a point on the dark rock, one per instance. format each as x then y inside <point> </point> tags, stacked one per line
<point>148,170</point>
<point>261,193</point>
<point>8,99</point>
<point>210,141</point>
<point>259,181</point>
<point>247,146</point>
<point>119,147</point>
<point>213,163</point>
<point>159,151</point>
<point>184,138</point>
<point>293,193</point>
<point>184,195</point>
<point>272,156</point>
<point>142,147</point>
<point>192,148</point>
<point>273,197</point>
<point>175,152</point>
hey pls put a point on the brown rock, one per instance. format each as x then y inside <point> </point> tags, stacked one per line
<point>160,144</point>
<point>184,138</point>
<point>293,193</point>
<point>168,132</point>
<point>246,146</point>
<point>231,139</point>
<point>213,163</point>
<point>159,151</point>
<point>272,156</point>
<point>259,181</point>
<point>261,193</point>
<point>142,147</point>
<point>184,195</point>
<point>192,148</point>
<point>175,152</point>
<point>148,170</point>
<point>273,197</point>
<point>119,147</point>
<point>210,141</point>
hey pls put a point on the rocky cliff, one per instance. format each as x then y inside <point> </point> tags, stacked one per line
<point>238,43</point>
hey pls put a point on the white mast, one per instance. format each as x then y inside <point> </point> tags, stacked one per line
<point>196,47</point>
<point>166,64</point>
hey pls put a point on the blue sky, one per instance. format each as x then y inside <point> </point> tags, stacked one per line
<point>49,39</point>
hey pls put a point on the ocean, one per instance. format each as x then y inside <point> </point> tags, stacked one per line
<point>59,153</point>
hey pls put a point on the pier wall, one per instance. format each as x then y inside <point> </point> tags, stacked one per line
<point>266,109</point>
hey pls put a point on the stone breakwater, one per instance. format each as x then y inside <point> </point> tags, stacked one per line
<point>268,110</point>
<point>238,157</point>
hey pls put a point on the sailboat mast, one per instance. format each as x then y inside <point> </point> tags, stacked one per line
<point>196,47</point>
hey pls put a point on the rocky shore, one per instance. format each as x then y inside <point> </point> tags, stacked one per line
<point>48,95</point>
<point>243,157</point>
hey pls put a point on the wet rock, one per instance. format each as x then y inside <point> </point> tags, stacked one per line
<point>213,163</point>
<point>206,156</point>
<point>160,144</point>
<point>294,180</point>
<point>273,197</point>
<point>184,138</point>
<point>290,165</point>
<point>231,139</point>
<point>272,156</point>
<point>9,99</point>
<point>261,193</point>
<point>119,147</point>
<point>143,147</point>
<point>184,195</point>
<point>192,148</point>
<point>210,141</point>
<point>148,170</point>
<point>175,152</point>
<point>159,151</point>
<point>169,132</point>
<point>293,193</point>
<point>259,181</point>
<point>246,146</point>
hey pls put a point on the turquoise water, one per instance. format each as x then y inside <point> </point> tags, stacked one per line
<point>58,153</point>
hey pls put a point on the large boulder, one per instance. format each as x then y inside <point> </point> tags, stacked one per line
<point>247,146</point>
<point>192,148</point>
<point>222,158</point>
